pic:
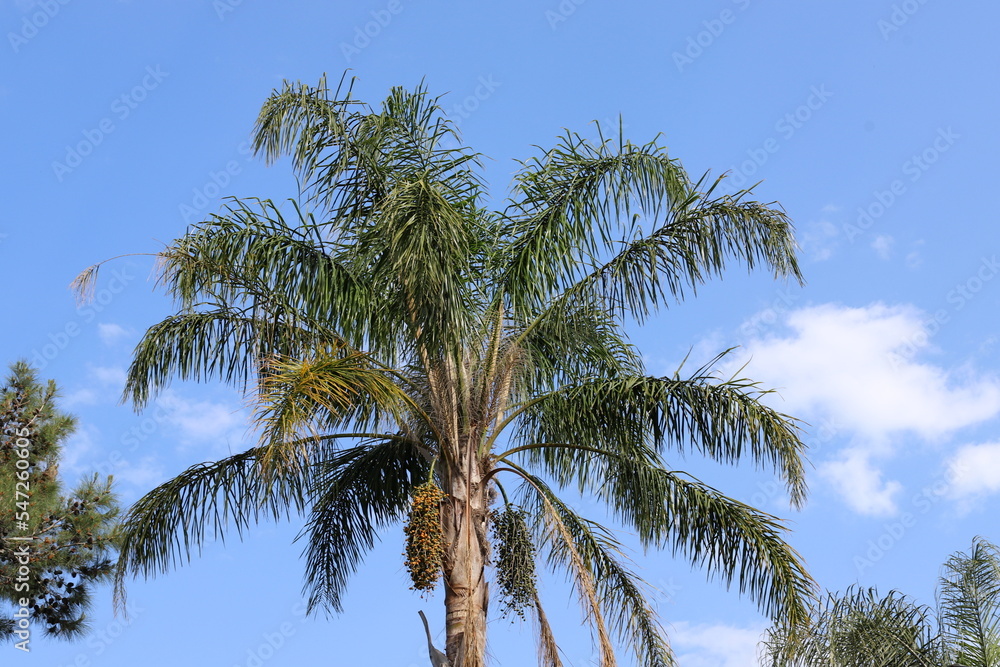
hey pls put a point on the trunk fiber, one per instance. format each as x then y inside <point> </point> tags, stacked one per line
<point>466,591</point>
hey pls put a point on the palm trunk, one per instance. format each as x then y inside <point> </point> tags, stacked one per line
<point>466,591</point>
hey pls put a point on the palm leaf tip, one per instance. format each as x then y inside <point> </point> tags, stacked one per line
<point>84,285</point>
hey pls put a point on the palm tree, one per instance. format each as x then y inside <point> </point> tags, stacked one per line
<point>411,354</point>
<point>861,629</point>
<point>969,605</point>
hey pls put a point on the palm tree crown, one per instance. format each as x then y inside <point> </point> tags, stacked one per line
<point>862,629</point>
<point>397,336</point>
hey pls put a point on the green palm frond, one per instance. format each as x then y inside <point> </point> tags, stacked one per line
<point>357,492</point>
<point>969,602</point>
<point>351,157</point>
<point>303,121</point>
<point>572,339</point>
<point>724,420</point>
<point>325,394</point>
<point>859,628</point>
<point>166,525</point>
<point>417,222</point>
<point>223,343</point>
<point>250,255</point>
<point>621,594</point>
<point>695,242</point>
<point>729,539</point>
<point>571,203</point>
<point>580,202</point>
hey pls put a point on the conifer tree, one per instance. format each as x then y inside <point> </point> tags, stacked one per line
<point>55,548</point>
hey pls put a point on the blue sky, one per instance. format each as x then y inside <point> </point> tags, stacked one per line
<point>872,123</point>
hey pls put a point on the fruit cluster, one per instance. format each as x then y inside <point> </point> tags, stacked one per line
<point>515,560</point>
<point>424,539</point>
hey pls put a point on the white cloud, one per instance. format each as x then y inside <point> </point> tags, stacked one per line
<point>76,450</point>
<point>883,246</point>
<point>82,456</point>
<point>858,366</point>
<point>112,333</point>
<point>79,397</point>
<point>144,474</point>
<point>202,421</point>
<point>913,258</point>
<point>975,470</point>
<point>860,483</point>
<point>819,239</point>
<point>109,375</point>
<point>864,371</point>
<point>705,645</point>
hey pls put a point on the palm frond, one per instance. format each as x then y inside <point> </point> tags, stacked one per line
<point>573,202</point>
<point>166,525</point>
<point>731,540</point>
<point>433,298</point>
<point>84,284</point>
<point>859,628</point>
<point>724,420</point>
<point>250,255</point>
<point>351,157</point>
<point>548,649</point>
<point>969,602</point>
<point>700,235</point>
<point>572,339</point>
<point>357,492</point>
<point>621,595</point>
<point>303,121</point>
<point>324,394</point>
<point>224,343</point>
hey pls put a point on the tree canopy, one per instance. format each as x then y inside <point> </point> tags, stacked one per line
<point>55,548</point>
<point>861,628</point>
<point>416,356</point>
